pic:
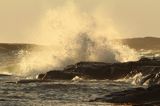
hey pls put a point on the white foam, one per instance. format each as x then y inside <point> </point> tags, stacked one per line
<point>74,36</point>
<point>77,78</point>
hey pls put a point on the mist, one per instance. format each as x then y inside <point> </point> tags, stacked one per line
<point>70,36</point>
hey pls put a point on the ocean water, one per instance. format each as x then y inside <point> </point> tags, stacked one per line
<point>57,93</point>
<point>54,93</point>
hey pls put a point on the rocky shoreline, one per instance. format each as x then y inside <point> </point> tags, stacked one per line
<point>135,96</point>
<point>149,69</point>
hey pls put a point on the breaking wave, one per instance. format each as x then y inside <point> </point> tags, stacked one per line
<point>135,80</point>
<point>70,36</point>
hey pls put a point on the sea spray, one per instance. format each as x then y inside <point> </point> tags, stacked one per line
<point>135,80</point>
<point>70,36</point>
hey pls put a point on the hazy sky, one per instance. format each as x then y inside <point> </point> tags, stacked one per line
<point>131,18</point>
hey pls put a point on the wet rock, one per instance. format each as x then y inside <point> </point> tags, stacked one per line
<point>100,70</point>
<point>144,59</point>
<point>31,81</point>
<point>150,75</point>
<point>40,76</point>
<point>137,96</point>
<point>58,75</point>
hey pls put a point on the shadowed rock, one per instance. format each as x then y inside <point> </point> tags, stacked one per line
<point>150,69</point>
<point>30,81</point>
<point>40,76</point>
<point>134,96</point>
<point>59,75</point>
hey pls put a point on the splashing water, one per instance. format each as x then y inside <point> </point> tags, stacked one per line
<point>135,80</point>
<point>72,35</point>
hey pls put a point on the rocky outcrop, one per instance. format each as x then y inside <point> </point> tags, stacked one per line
<point>58,75</point>
<point>150,69</point>
<point>137,96</point>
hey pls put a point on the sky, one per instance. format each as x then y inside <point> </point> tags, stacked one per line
<point>130,18</point>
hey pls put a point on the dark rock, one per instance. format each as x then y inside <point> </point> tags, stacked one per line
<point>58,75</point>
<point>133,96</point>
<point>69,67</point>
<point>144,59</point>
<point>100,70</point>
<point>31,81</point>
<point>40,76</point>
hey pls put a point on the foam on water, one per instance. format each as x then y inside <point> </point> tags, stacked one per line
<point>135,80</point>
